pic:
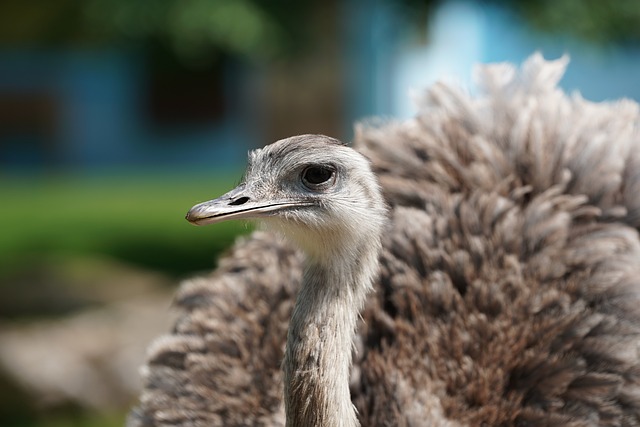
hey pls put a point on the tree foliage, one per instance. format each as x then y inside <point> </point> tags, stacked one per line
<point>615,21</point>
<point>263,28</point>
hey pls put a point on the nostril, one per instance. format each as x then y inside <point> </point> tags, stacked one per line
<point>240,201</point>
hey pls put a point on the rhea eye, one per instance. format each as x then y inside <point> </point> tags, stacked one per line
<point>314,177</point>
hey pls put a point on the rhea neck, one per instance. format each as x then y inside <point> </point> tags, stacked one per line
<point>320,339</point>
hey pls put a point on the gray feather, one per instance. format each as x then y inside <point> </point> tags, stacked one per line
<point>509,283</point>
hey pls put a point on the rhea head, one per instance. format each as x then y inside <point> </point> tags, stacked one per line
<point>315,190</point>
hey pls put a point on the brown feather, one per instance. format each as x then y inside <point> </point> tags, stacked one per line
<point>509,286</point>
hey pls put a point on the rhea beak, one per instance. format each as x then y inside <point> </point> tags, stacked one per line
<point>238,203</point>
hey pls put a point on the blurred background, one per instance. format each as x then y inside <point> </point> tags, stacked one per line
<point>116,116</point>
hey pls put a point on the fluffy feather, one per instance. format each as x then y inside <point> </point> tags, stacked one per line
<point>509,286</point>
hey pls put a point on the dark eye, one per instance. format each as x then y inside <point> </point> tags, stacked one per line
<point>318,176</point>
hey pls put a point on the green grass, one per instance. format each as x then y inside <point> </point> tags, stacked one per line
<point>82,419</point>
<point>138,219</point>
<point>135,219</point>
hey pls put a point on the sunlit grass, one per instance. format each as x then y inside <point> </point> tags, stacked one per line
<point>77,222</point>
<point>138,219</point>
<point>80,420</point>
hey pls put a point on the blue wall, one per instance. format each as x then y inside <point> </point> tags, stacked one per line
<point>98,95</point>
<point>100,119</point>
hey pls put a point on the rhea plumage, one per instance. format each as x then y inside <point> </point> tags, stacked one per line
<point>507,277</point>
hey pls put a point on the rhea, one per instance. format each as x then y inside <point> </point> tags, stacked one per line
<point>323,196</point>
<point>508,290</point>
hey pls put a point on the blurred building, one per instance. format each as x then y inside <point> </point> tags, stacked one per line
<point>94,109</point>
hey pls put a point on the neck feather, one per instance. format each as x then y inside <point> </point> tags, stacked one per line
<point>320,339</point>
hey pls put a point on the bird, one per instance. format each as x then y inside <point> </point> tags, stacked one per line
<point>478,264</point>
<point>324,197</point>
